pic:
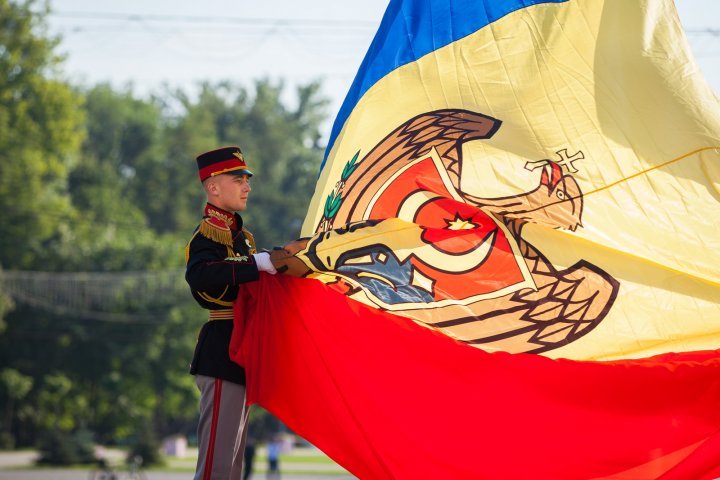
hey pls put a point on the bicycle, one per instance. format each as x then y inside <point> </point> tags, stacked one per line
<point>105,471</point>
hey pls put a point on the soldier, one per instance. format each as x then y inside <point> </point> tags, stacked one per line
<point>220,257</point>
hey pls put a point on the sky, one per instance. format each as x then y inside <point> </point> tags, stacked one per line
<point>151,43</point>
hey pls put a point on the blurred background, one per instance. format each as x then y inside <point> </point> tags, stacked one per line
<point>103,108</point>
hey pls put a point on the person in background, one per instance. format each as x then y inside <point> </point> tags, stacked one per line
<point>273,454</point>
<point>250,449</point>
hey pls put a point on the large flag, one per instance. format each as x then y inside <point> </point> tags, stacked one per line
<point>516,233</point>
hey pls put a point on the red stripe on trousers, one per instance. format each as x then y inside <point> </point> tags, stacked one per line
<point>213,430</point>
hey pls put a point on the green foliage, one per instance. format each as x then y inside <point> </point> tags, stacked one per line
<point>145,450</point>
<point>6,304</point>
<point>14,386</point>
<point>62,448</point>
<point>279,143</point>
<point>7,441</point>
<point>101,180</point>
<point>59,403</point>
<point>40,129</point>
<point>262,425</point>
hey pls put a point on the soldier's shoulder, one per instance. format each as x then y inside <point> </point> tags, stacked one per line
<point>211,229</point>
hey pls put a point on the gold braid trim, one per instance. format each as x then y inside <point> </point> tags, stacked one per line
<point>209,298</point>
<point>187,248</point>
<point>215,233</point>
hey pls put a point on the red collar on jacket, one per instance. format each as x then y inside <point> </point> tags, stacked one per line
<point>220,218</point>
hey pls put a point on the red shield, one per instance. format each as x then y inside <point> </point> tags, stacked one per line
<point>460,237</point>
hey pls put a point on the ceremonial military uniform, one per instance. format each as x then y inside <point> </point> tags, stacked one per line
<point>220,257</point>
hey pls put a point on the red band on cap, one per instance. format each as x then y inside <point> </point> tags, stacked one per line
<point>219,167</point>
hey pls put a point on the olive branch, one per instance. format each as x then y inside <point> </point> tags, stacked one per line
<point>335,199</point>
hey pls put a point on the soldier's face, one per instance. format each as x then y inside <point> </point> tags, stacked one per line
<point>230,192</point>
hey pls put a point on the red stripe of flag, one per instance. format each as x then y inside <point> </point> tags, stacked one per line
<point>389,399</point>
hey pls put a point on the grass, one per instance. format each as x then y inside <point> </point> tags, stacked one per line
<point>303,461</point>
<point>299,458</point>
<point>298,462</point>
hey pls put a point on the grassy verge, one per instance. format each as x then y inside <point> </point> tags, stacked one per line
<point>299,462</point>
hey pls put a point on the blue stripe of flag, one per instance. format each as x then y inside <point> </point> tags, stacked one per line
<point>410,29</point>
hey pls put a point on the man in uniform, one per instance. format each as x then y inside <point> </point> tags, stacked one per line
<point>220,257</point>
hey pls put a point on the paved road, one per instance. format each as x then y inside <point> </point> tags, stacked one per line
<point>43,474</point>
<point>16,466</point>
<point>13,459</point>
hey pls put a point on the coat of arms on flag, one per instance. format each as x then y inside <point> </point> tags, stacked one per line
<point>511,296</point>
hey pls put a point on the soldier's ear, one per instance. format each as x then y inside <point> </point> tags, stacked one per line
<point>211,186</point>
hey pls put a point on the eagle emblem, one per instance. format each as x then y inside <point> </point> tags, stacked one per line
<point>425,249</point>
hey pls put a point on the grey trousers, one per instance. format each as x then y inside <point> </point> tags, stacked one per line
<point>221,429</point>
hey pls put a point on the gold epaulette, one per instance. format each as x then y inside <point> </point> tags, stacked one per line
<point>216,233</point>
<point>250,240</point>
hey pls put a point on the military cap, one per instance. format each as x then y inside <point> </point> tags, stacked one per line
<point>223,160</point>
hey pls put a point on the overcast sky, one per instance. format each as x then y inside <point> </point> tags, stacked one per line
<point>179,42</point>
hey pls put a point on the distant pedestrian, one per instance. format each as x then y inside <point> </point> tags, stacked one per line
<point>249,457</point>
<point>273,454</point>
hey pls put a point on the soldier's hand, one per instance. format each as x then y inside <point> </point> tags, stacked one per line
<point>281,257</point>
<point>296,245</point>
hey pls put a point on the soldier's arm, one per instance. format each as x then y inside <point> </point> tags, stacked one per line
<point>209,267</point>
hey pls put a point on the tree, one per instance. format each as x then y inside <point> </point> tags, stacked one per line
<point>286,145</point>
<point>15,387</point>
<point>280,144</point>
<point>6,304</point>
<point>61,448</point>
<point>40,130</point>
<point>112,232</point>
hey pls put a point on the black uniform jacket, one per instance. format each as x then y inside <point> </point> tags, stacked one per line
<point>219,259</point>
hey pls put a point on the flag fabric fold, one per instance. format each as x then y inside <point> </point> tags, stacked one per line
<point>513,264</point>
<point>387,399</point>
